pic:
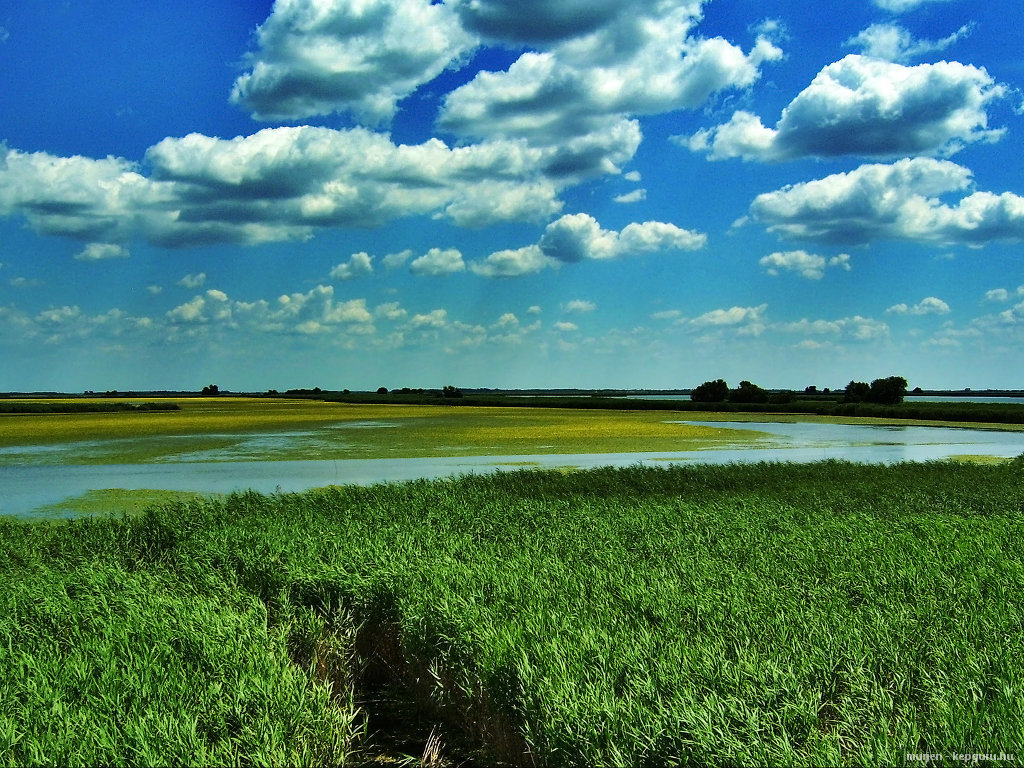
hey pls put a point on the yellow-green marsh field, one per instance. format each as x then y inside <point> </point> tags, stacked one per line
<point>344,431</point>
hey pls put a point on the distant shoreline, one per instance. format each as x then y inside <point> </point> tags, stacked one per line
<point>536,392</point>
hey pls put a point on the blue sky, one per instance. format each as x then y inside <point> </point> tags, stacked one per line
<point>509,193</point>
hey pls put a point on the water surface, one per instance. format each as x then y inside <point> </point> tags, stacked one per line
<point>28,486</point>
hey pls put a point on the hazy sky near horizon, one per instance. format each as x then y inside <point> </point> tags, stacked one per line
<point>510,193</point>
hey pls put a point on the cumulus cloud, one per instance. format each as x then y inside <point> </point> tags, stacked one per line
<point>866,106</point>
<point>731,316</point>
<point>895,202</point>
<point>313,312</point>
<point>396,260</point>
<point>895,43</point>
<point>513,262</point>
<point>578,236</point>
<point>632,197</point>
<point>102,251</point>
<point>359,265</point>
<point>435,319</point>
<point>927,306</point>
<point>856,328</point>
<point>565,326</point>
<point>205,308</point>
<point>597,62</point>
<point>541,21</point>
<point>902,6</point>
<point>96,201</point>
<point>809,265</point>
<point>193,281</point>
<point>578,306</point>
<point>315,57</point>
<point>278,184</point>
<point>390,310</point>
<point>438,261</point>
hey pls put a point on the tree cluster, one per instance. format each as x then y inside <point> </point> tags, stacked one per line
<point>718,391</point>
<point>888,391</point>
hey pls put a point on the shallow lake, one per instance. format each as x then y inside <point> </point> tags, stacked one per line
<point>30,486</point>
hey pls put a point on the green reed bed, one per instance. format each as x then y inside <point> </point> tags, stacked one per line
<point>743,615</point>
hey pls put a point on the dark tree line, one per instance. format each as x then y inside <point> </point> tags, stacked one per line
<point>888,391</point>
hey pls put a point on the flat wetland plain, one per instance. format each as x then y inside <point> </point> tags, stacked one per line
<point>325,430</point>
<point>793,614</point>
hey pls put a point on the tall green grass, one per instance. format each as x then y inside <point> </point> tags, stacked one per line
<point>825,614</point>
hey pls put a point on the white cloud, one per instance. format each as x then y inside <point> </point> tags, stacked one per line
<point>809,265</point>
<point>897,202</point>
<point>438,261</point>
<point>24,282</point>
<point>316,57</point>
<point>396,260</point>
<point>667,314</point>
<point>91,200</point>
<point>313,312</point>
<point>565,326</point>
<point>542,22</point>
<point>359,265</point>
<point>902,6</point>
<point>297,179</point>
<point>856,328</point>
<point>579,306</point>
<point>391,310</point>
<point>865,106</point>
<point>513,262</point>
<point>927,306</point>
<point>575,237</point>
<point>205,308</point>
<point>892,42</point>
<point>437,318</point>
<point>632,197</point>
<point>1002,294</point>
<point>193,281</point>
<point>731,316</point>
<point>57,315</point>
<point>102,251</point>
<point>285,184</point>
<point>611,60</point>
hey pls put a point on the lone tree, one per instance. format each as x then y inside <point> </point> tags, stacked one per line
<point>888,391</point>
<point>711,392</point>
<point>211,389</point>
